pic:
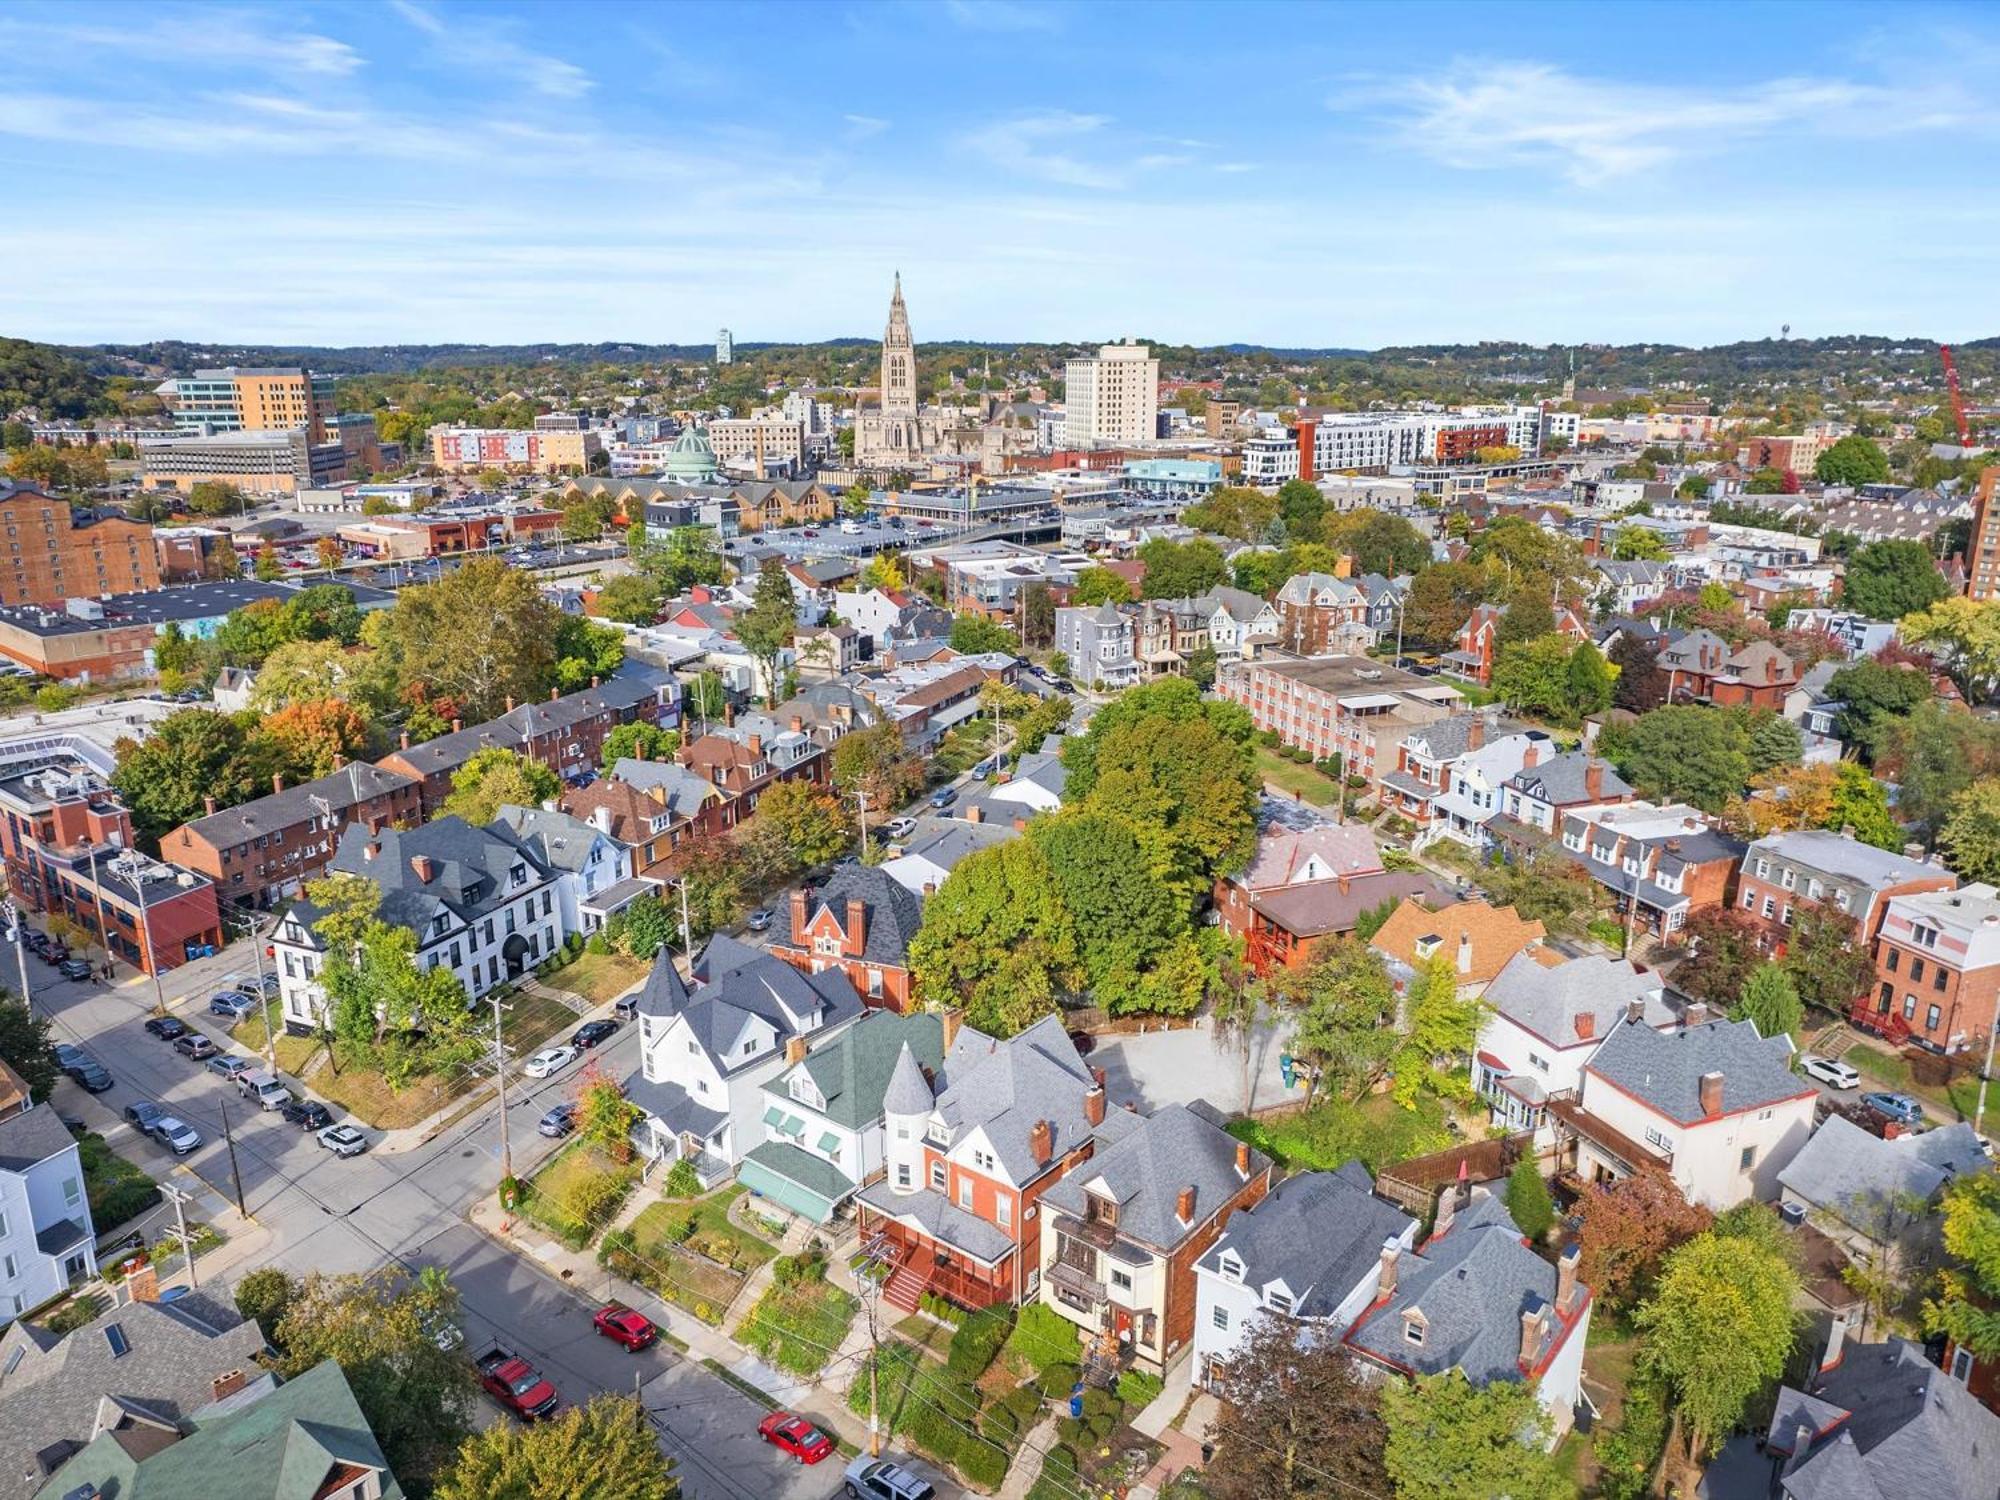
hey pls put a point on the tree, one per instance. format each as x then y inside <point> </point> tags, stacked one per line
<point>1123,916</point>
<point>222,563</point>
<point>877,763</point>
<point>885,571</point>
<point>585,517</point>
<point>1346,1016</point>
<point>1038,615</point>
<point>491,480</point>
<point>1529,616</point>
<point>268,568</point>
<point>1854,461</point>
<point>495,776</point>
<point>808,821</point>
<point>1534,678</point>
<point>771,622</point>
<point>1872,698</point>
<point>631,598</point>
<point>1970,837</point>
<point>1442,1028</point>
<point>1969,635</point>
<point>1180,570</point>
<point>1689,753</point>
<point>638,741</point>
<point>997,941</point>
<point>381,1329</point>
<point>1378,542</point>
<point>975,635</point>
<point>1302,508</point>
<point>1887,580</point>
<point>480,635</point>
<point>1717,1328</point>
<point>264,1296</point>
<point>1829,795</point>
<point>1640,685</point>
<point>251,633</point>
<point>1770,741</point>
<point>856,498</point>
<point>210,497</point>
<point>1638,544</point>
<point>586,653</point>
<point>705,697</point>
<point>1932,755</point>
<point>1966,1307</point>
<point>1201,666</point>
<point>314,734</point>
<point>1591,680</point>
<point>1451,1440</point>
<point>1771,1002</point>
<point>1767,482</point>
<point>1827,967</point>
<point>1096,586</point>
<point>26,1046</point>
<point>1626,1229</point>
<point>1441,601</point>
<point>604,1450</point>
<point>303,671</point>
<point>1528,1200</point>
<point>328,552</point>
<point>1725,954</point>
<point>1296,1420</point>
<point>685,556</point>
<point>190,755</point>
<point>1234,511</point>
<point>604,1116</point>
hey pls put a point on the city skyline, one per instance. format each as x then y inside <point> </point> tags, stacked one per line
<point>416,173</point>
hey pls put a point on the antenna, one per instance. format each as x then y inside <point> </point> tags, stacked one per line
<point>1785,331</point>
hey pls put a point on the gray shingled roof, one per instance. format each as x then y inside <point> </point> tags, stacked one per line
<point>351,785</point>
<point>1547,1001</point>
<point>687,793</point>
<point>854,1071</point>
<point>524,722</point>
<point>909,1092</point>
<point>469,875</point>
<point>1173,1148</point>
<point>892,913</point>
<point>555,838</point>
<point>1005,1087</point>
<point>32,1136</point>
<point>739,983</point>
<point>1664,1069</point>
<point>1855,1173</point>
<point>1319,1233</point>
<point>1850,859</point>
<point>1561,779</point>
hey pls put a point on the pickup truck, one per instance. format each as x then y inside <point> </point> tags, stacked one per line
<point>515,1384</point>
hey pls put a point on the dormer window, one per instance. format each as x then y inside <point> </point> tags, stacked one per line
<point>1230,1264</point>
<point>1278,1302</point>
<point>1414,1328</point>
<point>1428,944</point>
<point>519,875</point>
<point>1098,1209</point>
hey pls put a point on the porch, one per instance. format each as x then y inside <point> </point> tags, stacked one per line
<point>913,1266</point>
<point>1592,1150</point>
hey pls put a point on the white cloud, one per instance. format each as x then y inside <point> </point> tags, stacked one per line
<point>861,127</point>
<point>1504,113</point>
<point>482,46</point>
<point>1000,16</point>
<point>1022,145</point>
<point>222,38</point>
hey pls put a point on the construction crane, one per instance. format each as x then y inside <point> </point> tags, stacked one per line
<point>1957,397</point>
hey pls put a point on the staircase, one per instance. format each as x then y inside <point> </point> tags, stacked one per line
<point>908,1282</point>
<point>1836,1041</point>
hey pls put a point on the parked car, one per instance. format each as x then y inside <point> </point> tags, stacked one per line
<point>257,988</point>
<point>68,1055</point>
<point>271,1094</point>
<point>515,1384</point>
<point>793,1434</point>
<point>558,1122</point>
<point>548,1061</point>
<point>234,1005</point>
<point>759,920</point>
<point>342,1140</point>
<point>307,1114</point>
<point>195,1047</point>
<point>590,1033</point>
<point>229,1065</point>
<point>1898,1107</point>
<point>625,1326</point>
<point>175,1134</point>
<point>74,968</point>
<point>944,797</point>
<point>879,1479</point>
<point>167,1028</point>
<point>1830,1071</point>
<point>142,1113</point>
<point>627,1007</point>
<point>89,1075</point>
<point>900,828</point>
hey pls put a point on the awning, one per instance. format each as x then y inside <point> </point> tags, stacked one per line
<point>829,1143</point>
<point>794,1179</point>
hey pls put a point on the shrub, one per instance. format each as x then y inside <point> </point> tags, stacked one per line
<point>1137,1389</point>
<point>982,1463</point>
<point>681,1181</point>
<point>74,1314</point>
<point>263,1297</point>
<point>1059,1479</point>
<point>596,943</point>
<point>1056,1381</point>
<point>978,1341</point>
<point>1044,1337</point>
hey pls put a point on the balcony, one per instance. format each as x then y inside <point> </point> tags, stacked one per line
<point>1079,1284</point>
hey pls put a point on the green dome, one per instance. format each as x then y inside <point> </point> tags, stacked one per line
<point>691,460</point>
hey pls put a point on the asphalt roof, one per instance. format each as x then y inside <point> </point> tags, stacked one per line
<point>740,984</point>
<point>1173,1148</point>
<point>891,913</point>
<point>353,784</point>
<point>32,1136</point>
<point>1833,854</point>
<point>1548,1000</point>
<point>853,1071</point>
<point>1856,1174</point>
<point>1664,1069</point>
<point>470,870</point>
<point>158,607</point>
<point>1319,1233</point>
<point>1005,1088</point>
<point>1563,779</point>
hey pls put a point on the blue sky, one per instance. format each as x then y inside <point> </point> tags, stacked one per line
<point>417,171</point>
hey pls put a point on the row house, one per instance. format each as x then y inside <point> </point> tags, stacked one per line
<point>1710,1102</point>
<point>1239,624</point>
<point>1349,706</point>
<point>651,808</point>
<point>1425,760</point>
<point>1386,598</point>
<point>1321,615</point>
<point>1701,667</point>
<point>1101,643</point>
<point>1123,1233</point>
<point>741,759</point>
<point>1937,970</point>
<point>1855,634</point>
<point>1783,872</point>
<point>1473,794</point>
<point>927,699</point>
<point>1660,865</point>
<point>478,901</point>
<point>860,922</point>
<point>972,1152</point>
<point>593,870</point>
<point>1479,641</point>
<point>1171,631</point>
<point>1536,798</point>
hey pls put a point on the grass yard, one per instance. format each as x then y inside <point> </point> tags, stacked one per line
<point>366,1094</point>
<point>1377,1130</point>
<point>932,1338</point>
<point>116,1189</point>
<point>796,1328</point>
<point>1301,781</point>
<point>292,1052</point>
<point>528,1022</point>
<point>712,1234</point>
<point>1892,1071</point>
<point>599,978</point>
<point>578,1193</point>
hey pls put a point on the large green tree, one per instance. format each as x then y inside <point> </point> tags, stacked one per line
<point>1967,1303</point>
<point>1125,918</point>
<point>1967,632</point>
<point>1451,1440</point>
<point>1932,754</point>
<point>1297,1420</point>
<point>1853,460</point>
<point>638,741</point>
<point>1873,697</point>
<point>1771,1001</point>
<point>998,941</point>
<point>1970,837</point>
<point>1344,1006</point>
<point>1096,586</point>
<point>1829,966</point>
<point>632,598</point>
<point>605,1450</point>
<point>1689,753</point>
<point>1441,601</point>
<point>27,1046</point>
<point>494,776</point>
<point>1378,542</point>
<point>1887,580</point>
<point>975,635</point>
<point>1179,570</point>
<point>770,624</point>
<point>1441,1027</point>
<point>479,636</point>
<point>189,756</point>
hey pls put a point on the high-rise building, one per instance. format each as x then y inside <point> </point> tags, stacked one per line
<point>1982,547</point>
<point>59,553</point>
<point>725,346</point>
<point>258,400</point>
<point>1111,398</point>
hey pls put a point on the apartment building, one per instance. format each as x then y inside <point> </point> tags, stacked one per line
<point>1321,615</point>
<point>1797,453</point>
<point>1937,970</point>
<point>47,1243</point>
<point>1982,548</point>
<point>652,807</point>
<point>458,450</point>
<point>760,440</point>
<point>55,552</point>
<point>1102,644</point>
<point>1338,705</point>
<point>1783,872</point>
<point>250,400</point>
<point>1304,885</point>
<point>1111,398</point>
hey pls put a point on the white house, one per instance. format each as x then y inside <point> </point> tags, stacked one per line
<point>1542,1025</point>
<point>929,858</point>
<point>1628,586</point>
<point>1038,781</point>
<point>705,1054</point>
<point>1307,1253</point>
<point>586,860</point>
<point>480,902</point>
<point>1239,623</point>
<point>47,1243</point>
<point>1712,1102</point>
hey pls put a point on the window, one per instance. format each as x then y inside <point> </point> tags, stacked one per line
<point>1763,869</point>
<point>1413,1330</point>
<point>902,1174</point>
<point>1749,899</point>
<point>1931,1018</point>
<point>965,1192</point>
<point>1003,1210</point>
<point>1220,1318</point>
<point>1840,899</point>
<point>1909,1007</point>
<point>1658,1138</point>
<point>1916,968</point>
<point>1814,890</point>
<point>1121,1280</point>
<point>1747,1160</point>
<point>937,1175</point>
<point>1770,908</point>
<point>72,1191</point>
<point>1789,880</point>
<point>1280,1302</point>
<point>1961,1360</point>
<point>8,1268</point>
<point>1894,960</point>
<point>1940,976</point>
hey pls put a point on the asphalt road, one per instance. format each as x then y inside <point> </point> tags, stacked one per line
<point>408,1208</point>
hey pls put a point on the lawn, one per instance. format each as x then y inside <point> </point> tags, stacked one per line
<point>961,747</point>
<point>933,1338</point>
<point>117,1190</point>
<point>578,1193</point>
<point>1377,1130</point>
<point>599,977</point>
<point>797,1327</point>
<point>366,1094</point>
<point>703,1226</point>
<point>1301,781</point>
<point>528,1021</point>
<point>1892,1071</point>
<point>292,1052</point>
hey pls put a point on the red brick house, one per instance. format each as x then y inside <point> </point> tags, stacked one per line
<point>1937,970</point>
<point>1786,871</point>
<point>860,922</point>
<point>1479,641</point>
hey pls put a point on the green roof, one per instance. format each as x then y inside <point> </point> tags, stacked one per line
<point>852,1071</point>
<point>795,1178</point>
<point>281,1445</point>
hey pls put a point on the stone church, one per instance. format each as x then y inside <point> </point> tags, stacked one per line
<point>896,432</point>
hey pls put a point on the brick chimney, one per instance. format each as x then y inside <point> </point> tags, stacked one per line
<point>1836,1344</point>
<point>1711,1094</point>
<point>795,1050</point>
<point>857,927</point>
<point>1385,1273</point>
<point>1696,1013</point>
<point>1534,1323</point>
<point>975,814</point>
<point>510,703</point>
<point>1635,1011</point>
<point>424,867</point>
<point>1042,1141</point>
<point>1243,1160</point>
<point>1475,732</point>
<point>457,725</point>
<point>1593,779</point>
<point>339,760</point>
<point>951,1018</point>
<point>208,806</point>
<point>1447,1210</point>
<point>555,696</point>
<point>799,899</point>
<point>403,740</point>
<point>798,724</point>
<point>277,782</point>
<point>1532,756</point>
<point>1184,1205</point>
<point>228,1383</point>
<point>1567,1291</point>
<point>143,1284</point>
<point>1093,1101</point>
<point>1586,1025</point>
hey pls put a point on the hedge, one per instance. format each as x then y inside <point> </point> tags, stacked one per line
<point>935,1411</point>
<point>977,1342</point>
<point>1044,1337</point>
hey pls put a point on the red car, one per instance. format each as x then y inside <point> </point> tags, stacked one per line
<point>796,1436</point>
<point>622,1325</point>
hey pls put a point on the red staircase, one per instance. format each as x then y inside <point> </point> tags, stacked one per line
<point>909,1280</point>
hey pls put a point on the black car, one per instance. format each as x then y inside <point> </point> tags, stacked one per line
<point>590,1033</point>
<point>307,1114</point>
<point>73,968</point>
<point>89,1075</point>
<point>167,1028</point>
<point>195,1047</point>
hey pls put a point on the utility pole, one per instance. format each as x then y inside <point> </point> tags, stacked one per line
<point>687,941</point>
<point>861,801</point>
<point>235,1174</point>
<point>500,1072</point>
<point>1985,1077</point>
<point>16,932</point>
<point>179,1200</point>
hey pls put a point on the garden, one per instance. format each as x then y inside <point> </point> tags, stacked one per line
<point>690,1253</point>
<point>1375,1129</point>
<point>578,1192</point>
<point>798,1324</point>
<point>117,1190</point>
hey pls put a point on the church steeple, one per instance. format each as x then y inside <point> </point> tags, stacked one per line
<point>899,360</point>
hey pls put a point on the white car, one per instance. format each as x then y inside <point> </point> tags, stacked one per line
<point>549,1060</point>
<point>343,1140</point>
<point>1830,1071</point>
<point>901,828</point>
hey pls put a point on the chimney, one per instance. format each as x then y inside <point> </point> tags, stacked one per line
<point>1593,779</point>
<point>1475,733</point>
<point>799,899</point>
<point>857,925</point>
<point>1711,1094</point>
<point>1341,881</point>
<point>277,782</point>
<point>228,1383</point>
<point>795,1050</point>
<point>143,1284</point>
<point>1836,1344</point>
<point>1020,824</point>
<point>1534,1323</point>
<point>1447,1210</point>
<point>1465,953</point>
<point>554,695</point>
<point>930,888</point>
<point>424,866</point>
<point>1893,1130</point>
<point>403,740</point>
<point>1184,1205</point>
<point>1532,756</point>
<point>1696,1013</point>
<point>510,703</point>
<point>951,1017</point>
<point>600,819</point>
<point>798,724</point>
<point>756,744</point>
<point>457,725</point>
<point>1802,1441</point>
<point>208,806</point>
<point>1243,1160</point>
<point>1567,1292</point>
<point>1042,1141</point>
<point>1093,1102</point>
<point>339,760</point>
<point>975,814</point>
<point>1586,1025</point>
<point>1635,1011</point>
<point>1385,1274</point>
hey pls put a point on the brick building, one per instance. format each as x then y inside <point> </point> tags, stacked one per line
<point>1937,970</point>
<point>55,553</point>
<point>1338,705</point>
<point>1785,871</point>
<point>860,922</point>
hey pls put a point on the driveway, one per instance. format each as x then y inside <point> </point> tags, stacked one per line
<point>1153,1068</point>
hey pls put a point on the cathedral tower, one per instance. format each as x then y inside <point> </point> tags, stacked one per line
<point>899,360</point>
